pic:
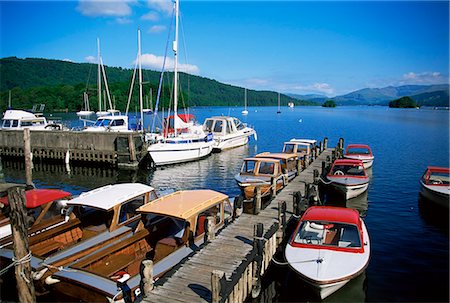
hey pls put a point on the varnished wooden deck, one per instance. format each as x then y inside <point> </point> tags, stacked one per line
<point>192,280</point>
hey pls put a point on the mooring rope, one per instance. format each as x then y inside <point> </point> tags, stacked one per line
<point>16,262</point>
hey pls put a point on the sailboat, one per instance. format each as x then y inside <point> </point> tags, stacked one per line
<point>86,111</point>
<point>183,139</point>
<point>245,111</point>
<point>100,73</point>
<point>279,110</point>
<point>149,105</point>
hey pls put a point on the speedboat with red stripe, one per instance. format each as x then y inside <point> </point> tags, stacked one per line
<point>348,176</point>
<point>360,152</point>
<point>329,247</point>
<point>435,185</point>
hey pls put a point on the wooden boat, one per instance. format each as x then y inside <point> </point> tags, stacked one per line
<point>43,212</point>
<point>288,163</point>
<point>360,152</point>
<point>348,176</point>
<point>329,247</point>
<point>260,171</point>
<point>435,185</point>
<point>228,132</point>
<point>91,221</point>
<point>171,228</point>
<point>301,149</point>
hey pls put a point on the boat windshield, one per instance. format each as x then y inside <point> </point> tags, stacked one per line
<point>239,124</point>
<point>248,167</point>
<point>438,178</point>
<point>266,168</point>
<point>289,148</point>
<point>348,170</point>
<point>358,151</point>
<point>328,234</point>
<point>102,122</point>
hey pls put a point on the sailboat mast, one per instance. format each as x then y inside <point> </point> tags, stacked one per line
<point>99,77</point>
<point>175,70</point>
<point>141,105</point>
<point>245,98</point>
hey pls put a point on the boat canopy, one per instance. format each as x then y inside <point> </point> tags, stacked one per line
<point>359,149</point>
<point>183,204</point>
<point>12,114</point>
<point>279,156</point>
<point>332,214</point>
<point>38,197</point>
<point>108,196</point>
<point>310,141</point>
<point>437,169</point>
<point>353,162</point>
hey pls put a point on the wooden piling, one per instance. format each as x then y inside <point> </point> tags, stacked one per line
<point>321,146</point>
<point>273,181</point>
<point>325,143</point>
<point>147,277</point>
<point>131,148</point>
<point>209,230</point>
<point>258,244</point>
<point>257,202</point>
<point>27,154</point>
<point>216,276</point>
<point>22,255</point>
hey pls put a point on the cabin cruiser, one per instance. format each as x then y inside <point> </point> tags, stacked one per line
<point>14,119</point>
<point>171,228</point>
<point>228,132</point>
<point>348,177</point>
<point>110,123</point>
<point>288,162</point>
<point>301,149</point>
<point>360,152</point>
<point>435,185</point>
<point>329,247</point>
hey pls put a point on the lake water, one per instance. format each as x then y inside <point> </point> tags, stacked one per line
<point>410,240</point>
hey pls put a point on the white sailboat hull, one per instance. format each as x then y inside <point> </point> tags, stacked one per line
<point>171,153</point>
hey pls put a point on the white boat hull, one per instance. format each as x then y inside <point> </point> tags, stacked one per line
<point>229,142</point>
<point>350,187</point>
<point>167,153</point>
<point>366,160</point>
<point>328,270</point>
<point>440,195</point>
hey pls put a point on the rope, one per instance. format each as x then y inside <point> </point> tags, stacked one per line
<point>327,183</point>
<point>60,268</point>
<point>279,263</point>
<point>16,262</point>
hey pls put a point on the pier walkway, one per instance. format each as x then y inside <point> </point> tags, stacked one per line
<point>230,253</point>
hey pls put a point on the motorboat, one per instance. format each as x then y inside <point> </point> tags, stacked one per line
<point>291,104</point>
<point>43,212</point>
<point>93,220</point>
<point>301,149</point>
<point>16,119</point>
<point>171,228</point>
<point>260,172</point>
<point>348,177</point>
<point>110,123</point>
<point>329,247</point>
<point>360,152</point>
<point>435,185</point>
<point>228,132</point>
<point>288,163</point>
<point>184,140</point>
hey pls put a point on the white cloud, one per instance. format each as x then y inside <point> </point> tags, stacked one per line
<point>152,16</point>
<point>91,59</point>
<point>423,78</point>
<point>163,6</point>
<point>155,29</point>
<point>104,8</point>
<point>156,62</point>
<point>67,60</point>
<point>122,20</point>
<point>322,88</point>
<point>257,82</point>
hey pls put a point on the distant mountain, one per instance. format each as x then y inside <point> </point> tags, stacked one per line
<point>428,95</point>
<point>60,85</point>
<point>310,97</point>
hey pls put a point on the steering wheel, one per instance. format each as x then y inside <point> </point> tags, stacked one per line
<point>338,172</point>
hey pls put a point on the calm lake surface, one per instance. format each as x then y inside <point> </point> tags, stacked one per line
<point>410,239</point>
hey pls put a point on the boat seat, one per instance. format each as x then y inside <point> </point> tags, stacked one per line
<point>165,247</point>
<point>349,237</point>
<point>312,234</point>
<point>46,247</point>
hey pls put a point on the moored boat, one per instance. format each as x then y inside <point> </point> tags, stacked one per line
<point>348,176</point>
<point>329,247</point>
<point>360,152</point>
<point>301,149</point>
<point>435,185</point>
<point>228,132</point>
<point>16,119</point>
<point>171,228</point>
<point>288,162</point>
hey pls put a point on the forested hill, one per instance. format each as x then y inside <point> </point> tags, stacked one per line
<point>60,85</point>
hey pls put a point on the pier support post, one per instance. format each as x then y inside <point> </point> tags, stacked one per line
<point>258,246</point>
<point>281,220</point>
<point>296,203</point>
<point>321,147</point>
<point>27,154</point>
<point>316,176</point>
<point>131,148</point>
<point>209,229</point>
<point>299,166</point>
<point>216,288</point>
<point>147,277</point>
<point>313,151</point>
<point>318,150</point>
<point>238,206</point>
<point>257,202</point>
<point>273,181</point>
<point>22,255</point>
<point>325,143</point>
<point>2,176</point>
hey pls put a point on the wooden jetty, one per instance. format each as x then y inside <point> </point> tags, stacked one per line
<point>229,267</point>
<point>112,148</point>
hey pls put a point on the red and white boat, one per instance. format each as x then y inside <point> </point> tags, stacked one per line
<point>360,152</point>
<point>435,185</point>
<point>329,247</point>
<point>349,177</point>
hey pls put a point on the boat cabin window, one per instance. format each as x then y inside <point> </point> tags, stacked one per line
<point>229,127</point>
<point>218,126</point>
<point>289,148</point>
<point>6,123</point>
<point>15,123</point>
<point>266,168</point>
<point>239,124</point>
<point>119,122</point>
<point>91,217</point>
<point>358,151</point>
<point>248,167</point>
<point>208,125</point>
<point>215,212</point>
<point>348,170</point>
<point>328,234</point>
<point>128,209</point>
<point>102,122</point>
<point>291,164</point>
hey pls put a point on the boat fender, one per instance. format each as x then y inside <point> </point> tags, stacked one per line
<point>37,275</point>
<point>49,280</point>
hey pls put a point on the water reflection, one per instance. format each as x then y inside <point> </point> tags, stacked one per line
<point>434,215</point>
<point>331,197</point>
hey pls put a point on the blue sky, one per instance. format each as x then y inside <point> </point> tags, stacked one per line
<point>326,47</point>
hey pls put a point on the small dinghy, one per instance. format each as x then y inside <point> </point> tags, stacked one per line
<point>435,185</point>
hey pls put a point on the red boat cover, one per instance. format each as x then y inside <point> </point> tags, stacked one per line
<point>353,162</point>
<point>332,214</point>
<point>436,169</point>
<point>38,197</point>
<point>358,146</point>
